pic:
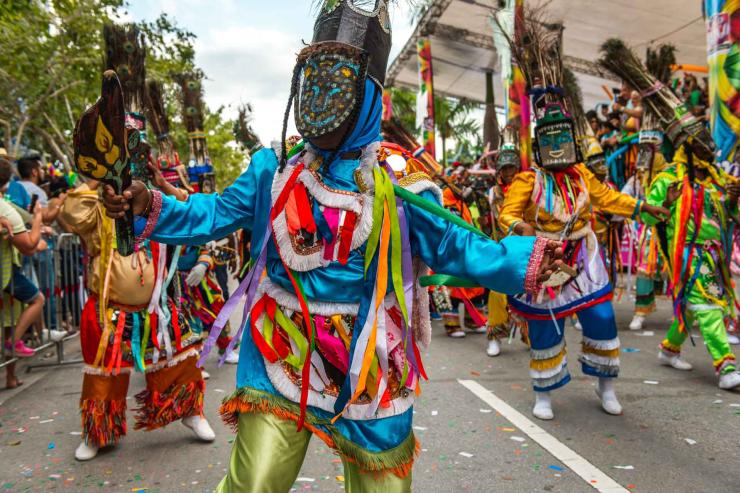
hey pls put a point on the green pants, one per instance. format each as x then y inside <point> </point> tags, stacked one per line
<point>268,453</point>
<point>712,326</point>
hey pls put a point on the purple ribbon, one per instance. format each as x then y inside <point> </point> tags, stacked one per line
<point>407,272</point>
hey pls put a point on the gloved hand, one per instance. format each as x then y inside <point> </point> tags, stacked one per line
<point>196,275</point>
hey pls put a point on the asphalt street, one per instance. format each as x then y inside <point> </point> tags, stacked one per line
<point>679,431</point>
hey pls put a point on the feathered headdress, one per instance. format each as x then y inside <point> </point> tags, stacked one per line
<point>125,53</point>
<point>243,131</point>
<point>167,158</point>
<point>675,117</point>
<point>659,61</point>
<point>191,93</point>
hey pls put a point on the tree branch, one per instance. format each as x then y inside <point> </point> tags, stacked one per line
<point>54,146</point>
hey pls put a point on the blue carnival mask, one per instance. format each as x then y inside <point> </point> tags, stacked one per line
<point>332,79</point>
<point>557,147</point>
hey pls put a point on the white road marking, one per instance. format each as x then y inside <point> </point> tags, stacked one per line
<point>593,476</point>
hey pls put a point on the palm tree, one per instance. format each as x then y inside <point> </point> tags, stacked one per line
<point>404,108</point>
<point>454,121</point>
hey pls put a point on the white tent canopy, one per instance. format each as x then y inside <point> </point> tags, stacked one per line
<point>462,44</point>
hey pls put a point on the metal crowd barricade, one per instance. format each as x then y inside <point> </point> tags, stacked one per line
<point>60,276</point>
<point>7,319</point>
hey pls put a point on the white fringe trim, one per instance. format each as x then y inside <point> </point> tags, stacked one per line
<point>175,360</point>
<point>288,300</point>
<point>547,382</point>
<point>599,360</point>
<point>102,372</point>
<point>548,353</point>
<point>602,345</point>
<point>549,373</point>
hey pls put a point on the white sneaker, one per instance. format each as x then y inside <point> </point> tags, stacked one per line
<point>458,333</point>
<point>733,339</point>
<point>479,330</point>
<point>200,427</point>
<point>542,406</point>
<point>675,361</point>
<point>609,402</point>
<point>494,348</point>
<point>85,452</point>
<point>730,380</point>
<point>637,321</point>
<point>577,325</point>
<point>205,374</point>
<point>57,335</point>
<point>232,358</point>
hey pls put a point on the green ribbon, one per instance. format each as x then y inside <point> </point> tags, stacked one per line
<point>446,280</point>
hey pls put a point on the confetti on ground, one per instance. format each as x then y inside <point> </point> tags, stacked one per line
<point>340,478</point>
<point>556,468</point>
<point>466,455</point>
<point>305,480</point>
<point>507,429</point>
<point>75,433</point>
<point>630,350</point>
<point>689,441</point>
<point>220,391</point>
<point>734,405</point>
<point>421,428</point>
<point>626,468</point>
<point>718,401</point>
<point>434,413</point>
<point>14,443</point>
<point>486,411</point>
<point>475,373</point>
<point>646,333</point>
<point>51,446</point>
<point>55,476</point>
<point>518,439</point>
<point>43,421</point>
<point>651,382</point>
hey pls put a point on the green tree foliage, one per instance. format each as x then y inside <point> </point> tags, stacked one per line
<point>51,61</point>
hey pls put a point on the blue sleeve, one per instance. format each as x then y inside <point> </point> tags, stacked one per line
<point>450,249</point>
<point>206,217</point>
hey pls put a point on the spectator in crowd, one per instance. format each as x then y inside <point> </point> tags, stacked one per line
<point>12,280</point>
<point>33,176</point>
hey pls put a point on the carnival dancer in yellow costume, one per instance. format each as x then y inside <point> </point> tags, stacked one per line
<point>555,200</point>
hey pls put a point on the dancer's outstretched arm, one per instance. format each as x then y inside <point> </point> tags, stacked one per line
<point>203,217</point>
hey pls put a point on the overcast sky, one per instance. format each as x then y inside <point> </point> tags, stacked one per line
<point>247,49</point>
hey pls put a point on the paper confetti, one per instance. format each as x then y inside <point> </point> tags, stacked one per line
<point>626,468</point>
<point>339,478</point>
<point>305,480</point>
<point>518,439</point>
<point>646,333</point>
<point>434,413</point>
<point>630,350</point>
<point>43,421</point>
<point>421,428</point>
<point>466,455</point>
<point>689,441</point>
<point>651,382</point>
<point>556,468</point>
<point>486,411</point>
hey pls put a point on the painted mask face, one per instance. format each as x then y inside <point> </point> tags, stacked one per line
<point>329,91</point>
<point>557,147</point>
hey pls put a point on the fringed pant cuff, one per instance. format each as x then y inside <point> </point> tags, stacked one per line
<point>103,422</point>
<point>497,332</point>
<point>669,349</point>
<point>600,358</point>
<point>725,364</point>
<point>172,393</point>
<point>103,406</point>
<point>398,460</point>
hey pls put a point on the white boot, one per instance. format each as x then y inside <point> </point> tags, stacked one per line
<point>200,427</point>
<point>637,321</point>
<point>729,381</point>
<point>608,396</point>
<point>542,406</point>
<point>675,361</point>
<point>86,452</point>
<point>232,358</point>
<point>494,348</point>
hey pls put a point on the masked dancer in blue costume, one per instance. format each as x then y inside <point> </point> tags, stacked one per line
<point>330,346</point>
